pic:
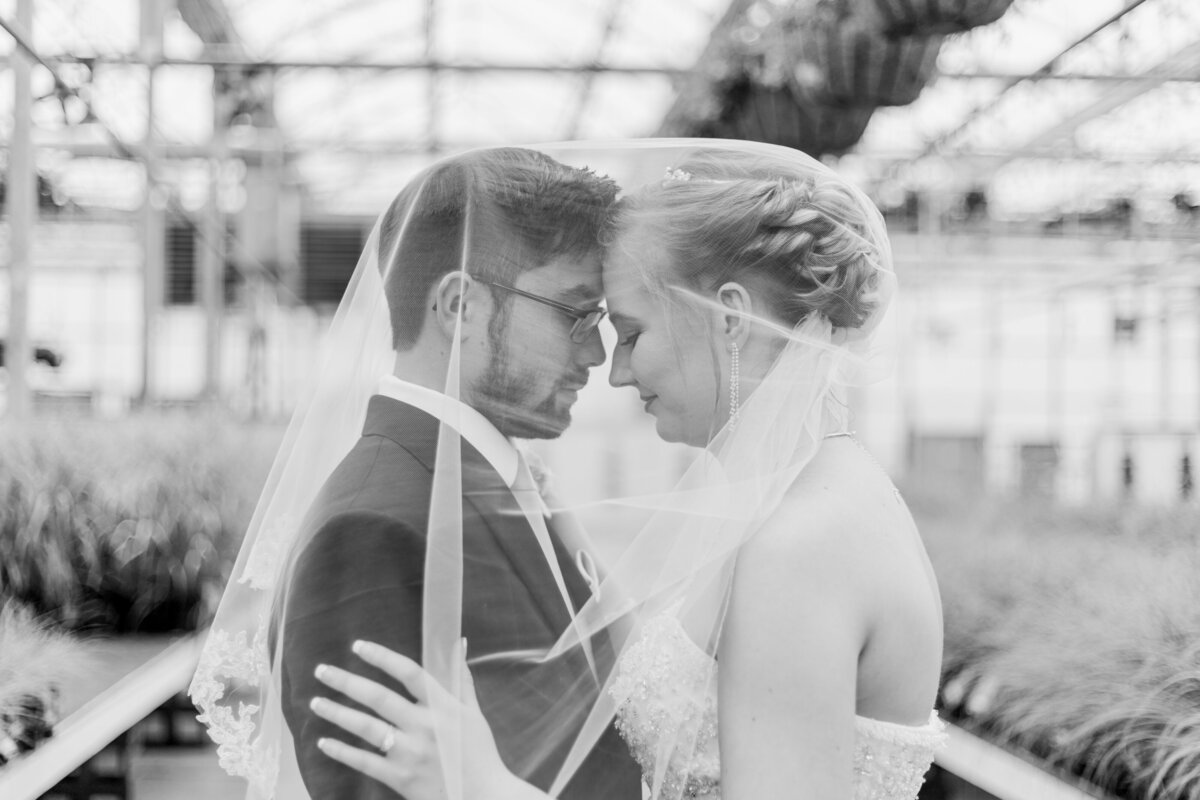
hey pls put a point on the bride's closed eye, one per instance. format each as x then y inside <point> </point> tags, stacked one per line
<point>629,339</point>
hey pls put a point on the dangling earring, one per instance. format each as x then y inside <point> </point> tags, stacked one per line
<point>735,380</point>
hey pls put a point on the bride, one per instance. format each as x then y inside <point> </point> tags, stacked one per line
<point>775,626</point>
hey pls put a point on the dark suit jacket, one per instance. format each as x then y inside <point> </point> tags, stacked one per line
<point>358,574</point>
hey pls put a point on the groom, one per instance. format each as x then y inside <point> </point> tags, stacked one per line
<point>499,250</point>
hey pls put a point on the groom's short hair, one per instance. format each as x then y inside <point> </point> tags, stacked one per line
<point>492,213</point>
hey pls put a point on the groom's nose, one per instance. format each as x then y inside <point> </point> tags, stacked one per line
<point>591,350</point>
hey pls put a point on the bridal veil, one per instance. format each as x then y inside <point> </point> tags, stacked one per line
<point>683,544</point>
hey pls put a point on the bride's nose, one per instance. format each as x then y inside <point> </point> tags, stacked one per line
<point>619,373</point>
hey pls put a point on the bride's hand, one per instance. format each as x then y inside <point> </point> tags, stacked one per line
<point>406,757</point>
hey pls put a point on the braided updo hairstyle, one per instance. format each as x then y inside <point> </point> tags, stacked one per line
<point>801,237</point>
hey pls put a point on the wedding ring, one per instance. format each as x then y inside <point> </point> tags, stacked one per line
<point>389,740</point>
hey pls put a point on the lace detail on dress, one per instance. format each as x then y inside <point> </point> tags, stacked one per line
<point>231,661</point>
<point>666,694</point>
<point>890,760</point>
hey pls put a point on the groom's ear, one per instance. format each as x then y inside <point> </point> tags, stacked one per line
<point>454,298</point>
<point>735,312</point>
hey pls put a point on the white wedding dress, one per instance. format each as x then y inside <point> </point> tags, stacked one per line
<point>666,691</point>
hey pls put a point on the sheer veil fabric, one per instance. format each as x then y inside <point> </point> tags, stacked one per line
<point>680,560</point>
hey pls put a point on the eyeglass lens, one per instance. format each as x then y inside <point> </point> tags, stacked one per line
<point>584,326</point>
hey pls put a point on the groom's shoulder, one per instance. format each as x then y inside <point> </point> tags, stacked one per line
<point>376,470</point>
<point>378,486</point>
<point>360,522</point>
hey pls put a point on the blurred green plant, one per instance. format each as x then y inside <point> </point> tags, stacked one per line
<point>129,525</point>
<point>1075,635</point>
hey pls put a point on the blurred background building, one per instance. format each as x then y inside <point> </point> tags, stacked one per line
<point>188,185</point>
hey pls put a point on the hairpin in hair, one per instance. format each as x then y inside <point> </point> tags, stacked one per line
<point>677,175</point>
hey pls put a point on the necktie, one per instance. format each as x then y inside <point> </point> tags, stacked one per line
<point>525,491</point>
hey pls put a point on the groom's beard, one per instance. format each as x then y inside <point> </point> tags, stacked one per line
<point>508,395</point>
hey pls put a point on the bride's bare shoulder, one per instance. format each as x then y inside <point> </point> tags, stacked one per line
<point>832,514</point>
<point>808,534</point>
<point>798,578</point>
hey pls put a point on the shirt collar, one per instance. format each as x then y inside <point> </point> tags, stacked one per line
<point>470,424</point>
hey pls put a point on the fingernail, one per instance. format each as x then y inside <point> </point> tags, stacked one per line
<point>321,671</point>
<point>464,644</point>
<point>323,744</point>
<point>317,703</point>
<point>360,647</point>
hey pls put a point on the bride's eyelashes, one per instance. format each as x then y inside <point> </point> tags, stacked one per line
<point>629,340</point>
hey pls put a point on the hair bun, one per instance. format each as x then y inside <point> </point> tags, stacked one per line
<point>813,230</point>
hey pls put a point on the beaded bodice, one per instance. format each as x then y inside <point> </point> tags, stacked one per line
<point>666,693</point>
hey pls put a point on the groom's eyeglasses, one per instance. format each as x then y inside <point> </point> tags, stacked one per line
<point>586,319</point>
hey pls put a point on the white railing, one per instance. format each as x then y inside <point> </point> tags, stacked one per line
<point>161,668</point>
<point>1002,774</point>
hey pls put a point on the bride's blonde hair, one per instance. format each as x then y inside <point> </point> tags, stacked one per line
<point>730,216</point>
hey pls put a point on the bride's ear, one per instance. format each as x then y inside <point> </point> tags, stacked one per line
<point>452,298</point>
<point>735,312</point>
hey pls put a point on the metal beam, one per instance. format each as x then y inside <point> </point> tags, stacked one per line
<point>420,65</point>
<point>589,79</point>
<point>22,214</point>
<point>257,154</point>
<point>1183,61</point>
<point>432,109</point>
<point>117,145</point>
<point>25,45</point>
<point>213,24</point>
<point>210,275</point>
<point>150,218</point>
<point>1084,77</point>
<point>250,154</point>
<point>1052,153</point>
<point>938,143</point>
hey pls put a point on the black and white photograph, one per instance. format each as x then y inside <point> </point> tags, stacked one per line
<point>599,399</point>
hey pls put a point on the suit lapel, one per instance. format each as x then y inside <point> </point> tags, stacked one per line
<point>503,517</point>
<point>484,489</point>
